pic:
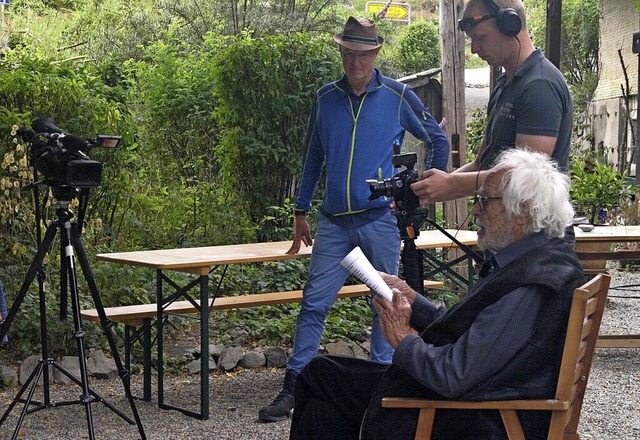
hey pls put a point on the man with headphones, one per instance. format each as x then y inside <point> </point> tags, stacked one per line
<point>530,106</point>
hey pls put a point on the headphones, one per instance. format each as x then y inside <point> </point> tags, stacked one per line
<point>507,19</point>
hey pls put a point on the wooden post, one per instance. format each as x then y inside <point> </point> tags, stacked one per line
<point>554,29</point>
<point>453,94</point>
<point>455,212</point>
<point>636,49</point>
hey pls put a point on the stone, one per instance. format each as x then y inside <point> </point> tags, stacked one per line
<point>229,358</point>
<point>71,364</point>
<point>100,366</point>
<point>28,365</point>
<point>8,376</point>
<point>215,350</point>
<point>358,352</point>
<point>253,359</point>
<point>276,357</point>
<point>194,366</point>
<point>366,346</point>
<point>179,351</point>
<point>339,348</point>
<point>240,341</point>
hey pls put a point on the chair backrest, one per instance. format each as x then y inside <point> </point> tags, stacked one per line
<point>580,343</point>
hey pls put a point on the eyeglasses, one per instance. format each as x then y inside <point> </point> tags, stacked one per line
<point>466,24</point>
<point>362,55</point>
<point>481,200</point>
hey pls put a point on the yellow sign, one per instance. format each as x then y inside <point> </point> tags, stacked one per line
<point>396,11</point>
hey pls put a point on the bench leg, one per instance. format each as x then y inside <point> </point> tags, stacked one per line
<point>129,340</point>
<point>146,344</point>
<point>127,351</point>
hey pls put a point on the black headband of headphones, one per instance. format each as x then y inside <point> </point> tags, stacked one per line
<point>507,19</point>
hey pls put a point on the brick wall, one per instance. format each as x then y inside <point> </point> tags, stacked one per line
<point>618,21</point>
<point>609,126</point>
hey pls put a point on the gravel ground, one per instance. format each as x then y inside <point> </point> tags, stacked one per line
<point>611,406</point>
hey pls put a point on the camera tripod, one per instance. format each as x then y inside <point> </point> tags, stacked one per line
<point>70,242</point>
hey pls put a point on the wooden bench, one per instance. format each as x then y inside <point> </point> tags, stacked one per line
<point>135,314</point>
<point>137,318</point>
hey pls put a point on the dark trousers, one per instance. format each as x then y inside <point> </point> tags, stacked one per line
<point>331,397</point>
<point>339,398</point>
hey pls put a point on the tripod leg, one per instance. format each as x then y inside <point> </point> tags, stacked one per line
<point>79,334</point>
<point>33,380</point>
<point>34,269</point>
<point>412,266</point>
<point>44,339</point>
<point>107,325</point>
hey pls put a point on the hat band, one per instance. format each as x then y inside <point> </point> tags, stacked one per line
<point>363,40</point>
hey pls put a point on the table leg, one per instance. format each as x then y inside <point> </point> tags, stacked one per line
<point>159,335</point>
<point>204,347</point>
<point>203,282</point>
<point>445,268</point>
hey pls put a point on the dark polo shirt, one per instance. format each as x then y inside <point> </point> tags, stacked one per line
<point>536,101</point>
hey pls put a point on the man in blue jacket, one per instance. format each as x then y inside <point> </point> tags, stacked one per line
<point>353,126</point>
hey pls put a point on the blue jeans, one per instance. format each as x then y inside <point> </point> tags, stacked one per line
<point>379,240</point>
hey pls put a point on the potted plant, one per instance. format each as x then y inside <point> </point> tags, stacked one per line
<point>596,191</point>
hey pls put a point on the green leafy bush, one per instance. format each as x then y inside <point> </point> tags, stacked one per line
<point>417,48</point>
<point>596,186</point>
<point>475,132</point>
<point>264,89</point>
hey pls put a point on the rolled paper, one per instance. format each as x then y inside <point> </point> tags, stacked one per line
<point>360,266</point>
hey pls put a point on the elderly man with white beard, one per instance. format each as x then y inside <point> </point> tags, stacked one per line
<point>504,340</point>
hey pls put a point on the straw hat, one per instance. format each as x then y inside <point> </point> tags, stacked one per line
<point>359,34</point>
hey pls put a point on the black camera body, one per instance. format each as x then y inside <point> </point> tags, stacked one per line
<point>399,186</point>
<point>65,167</point>
<point>62,157</point>
<point>411,216</point>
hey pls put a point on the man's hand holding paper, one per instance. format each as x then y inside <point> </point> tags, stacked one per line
<point>395,317</point>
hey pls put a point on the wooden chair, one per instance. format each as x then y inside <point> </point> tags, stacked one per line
<point>582,333</point>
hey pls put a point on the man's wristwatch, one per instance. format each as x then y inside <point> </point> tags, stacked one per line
<point>299,212</point>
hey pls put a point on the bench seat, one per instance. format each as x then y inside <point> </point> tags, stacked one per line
<point>135,314</point>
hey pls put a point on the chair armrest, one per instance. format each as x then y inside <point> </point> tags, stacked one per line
<point>407,402</point>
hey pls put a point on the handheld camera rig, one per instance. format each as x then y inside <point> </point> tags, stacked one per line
<point>411,216</point>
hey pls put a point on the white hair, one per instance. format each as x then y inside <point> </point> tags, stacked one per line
<point>532,185</point>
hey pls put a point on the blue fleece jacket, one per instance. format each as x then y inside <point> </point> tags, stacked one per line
<point>354,136</point>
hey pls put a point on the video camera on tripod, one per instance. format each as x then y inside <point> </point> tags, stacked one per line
<point>63,157</point>
<point>64,161</point>
<point>411,216</point>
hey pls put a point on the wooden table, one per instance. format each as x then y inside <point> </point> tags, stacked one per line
<point>203,261</point>
<point>610,235</point>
